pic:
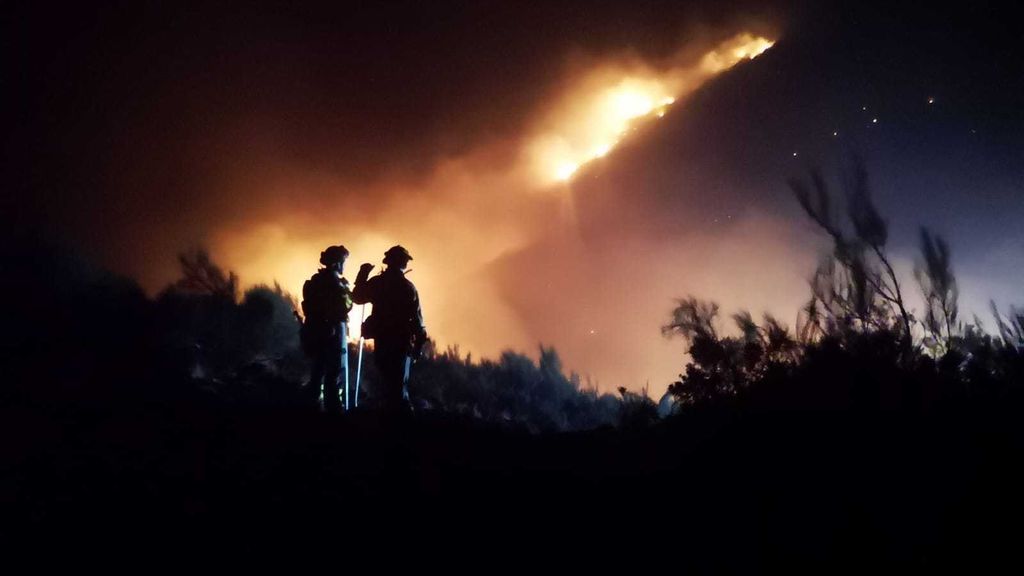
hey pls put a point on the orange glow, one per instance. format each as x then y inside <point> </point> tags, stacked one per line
<point>464,216</point>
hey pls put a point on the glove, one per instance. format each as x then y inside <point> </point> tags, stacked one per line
<point>364,273</point>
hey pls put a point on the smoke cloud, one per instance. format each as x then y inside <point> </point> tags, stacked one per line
<point>523,170</point>
<point>511,252</point>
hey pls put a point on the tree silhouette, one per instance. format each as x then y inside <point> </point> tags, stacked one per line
<point>939,288</point>
<point>725,366</point>
<point>856,284</point>
<point>201,276</point>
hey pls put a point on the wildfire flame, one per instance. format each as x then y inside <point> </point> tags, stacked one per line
<point>613,103</point>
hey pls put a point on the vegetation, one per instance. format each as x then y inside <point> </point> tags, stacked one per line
<point>857,343</point>
<point>199,338</point>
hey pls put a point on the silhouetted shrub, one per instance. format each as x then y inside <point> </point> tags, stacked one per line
<point>857,345</point>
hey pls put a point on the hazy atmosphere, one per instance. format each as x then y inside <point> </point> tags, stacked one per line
<point>560,173</point>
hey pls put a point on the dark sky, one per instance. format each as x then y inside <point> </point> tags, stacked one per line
<point>136,131</point>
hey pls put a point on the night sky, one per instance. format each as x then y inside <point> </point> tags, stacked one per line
<point>135,132</point>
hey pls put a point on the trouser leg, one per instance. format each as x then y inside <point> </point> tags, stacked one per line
<point>342,381</point>
<point>316,375</point>
<point>336,363</point>
<point>332,403</point>
<point>393,373</point>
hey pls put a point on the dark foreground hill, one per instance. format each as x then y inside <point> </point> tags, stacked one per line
<point>717,488</point>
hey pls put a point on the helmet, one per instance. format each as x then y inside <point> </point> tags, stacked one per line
<point>397,253</point>
<point>333,255</point>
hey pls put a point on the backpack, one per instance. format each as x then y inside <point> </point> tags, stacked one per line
<point>314,299</point>
<point>323,305</point>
